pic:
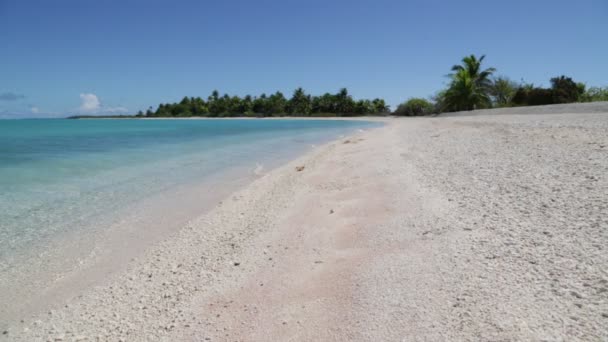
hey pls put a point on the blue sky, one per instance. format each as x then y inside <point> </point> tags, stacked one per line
<point>66,57</point>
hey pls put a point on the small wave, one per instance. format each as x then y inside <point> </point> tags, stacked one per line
<point>259,168</point>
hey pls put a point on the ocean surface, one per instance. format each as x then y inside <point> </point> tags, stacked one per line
<point>64,178</point>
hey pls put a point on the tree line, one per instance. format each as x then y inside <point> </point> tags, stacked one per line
<point>470,87</point>
<point>473,87</point>
<point>300,104</point>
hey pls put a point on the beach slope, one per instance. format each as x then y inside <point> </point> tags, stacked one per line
<point>487,227</point>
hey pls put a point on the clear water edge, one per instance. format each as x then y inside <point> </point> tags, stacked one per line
<point>64,206</point>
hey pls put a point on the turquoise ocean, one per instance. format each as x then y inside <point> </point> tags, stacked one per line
<point>61,177</point>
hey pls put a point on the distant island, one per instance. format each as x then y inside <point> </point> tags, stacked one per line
<point>300,104</point>
<point>470,87</point>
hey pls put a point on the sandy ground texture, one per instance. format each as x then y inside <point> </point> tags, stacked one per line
<point>467,228</point>
<point>568,108</point>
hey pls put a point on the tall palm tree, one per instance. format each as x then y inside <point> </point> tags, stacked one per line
<point>300,103</point>
<point>470,85</point>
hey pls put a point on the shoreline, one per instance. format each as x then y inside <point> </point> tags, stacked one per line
<point>77,269</point>
<point>347,118</point>
<point>76,261</point>
<point>424,228</point>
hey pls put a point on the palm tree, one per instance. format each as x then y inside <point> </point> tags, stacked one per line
<point>300,103</point>
<point>344,102</point>
<point>502,91</point>
<point>470,85</point>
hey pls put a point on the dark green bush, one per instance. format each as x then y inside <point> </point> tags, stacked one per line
<point>565,90</point>
<point>526,96</point>
<point>415,107</point>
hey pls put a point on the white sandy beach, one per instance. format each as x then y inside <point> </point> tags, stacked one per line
<point>484,227</point>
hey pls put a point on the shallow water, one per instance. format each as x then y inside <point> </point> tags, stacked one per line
<point>77,177</point>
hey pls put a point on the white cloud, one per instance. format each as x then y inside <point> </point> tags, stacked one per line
<point>35,110</point>
<point>90,104</point>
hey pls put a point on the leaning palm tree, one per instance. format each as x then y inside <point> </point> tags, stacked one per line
<point>470,85</point>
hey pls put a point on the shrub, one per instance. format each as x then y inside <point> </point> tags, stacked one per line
<point>439,101</point>
<point>502,91</point>
<point>415,107</point>
<point>565,90</point>
<point>595,94</point>
<point>528,96</point>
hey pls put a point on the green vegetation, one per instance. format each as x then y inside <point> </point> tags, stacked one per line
<point>472,87</point>
<point>300,104</point>
<point>415,107</point>
<point>595,94</point>
<point>502,91</point>
<point>563,90</point>
<point>528,95</point>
